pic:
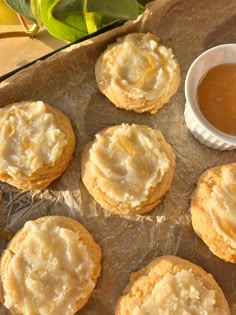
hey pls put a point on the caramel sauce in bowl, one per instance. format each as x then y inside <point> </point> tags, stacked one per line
<point>210,92</point>
<point>217,97</point>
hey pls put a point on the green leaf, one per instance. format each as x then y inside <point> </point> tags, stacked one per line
<point>22,7</point>
<point>141,8</point>
<point>120,9</point>
<point>144,2</point>
<point>93,21</point>
<point>66,26</point>
<point>35,7</point>
<point>73,19</point>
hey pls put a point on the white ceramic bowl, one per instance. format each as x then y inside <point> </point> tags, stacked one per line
<point>200,128</point>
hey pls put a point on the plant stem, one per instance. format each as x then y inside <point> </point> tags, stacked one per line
<point>85,6</point>
<point>30,31</point>
<point>13,34</point>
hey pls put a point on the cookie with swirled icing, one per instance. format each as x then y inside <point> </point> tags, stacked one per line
<point>138,73</point>
<point>50,266</point>
<point>37,142</point>
<point>172,285</point>
<point>128,168</point>
<point>213,208</point>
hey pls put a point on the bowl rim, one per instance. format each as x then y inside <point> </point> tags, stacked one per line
<point>227,138</point>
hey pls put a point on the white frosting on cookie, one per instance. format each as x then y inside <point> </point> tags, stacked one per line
<point>138,66</point>
<point>128,162</point>
<point>50,271</point>
<point>222,206</point>
<point>180,294</point>
<point>29,138</point>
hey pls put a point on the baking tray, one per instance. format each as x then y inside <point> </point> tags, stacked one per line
<point>67,80</point>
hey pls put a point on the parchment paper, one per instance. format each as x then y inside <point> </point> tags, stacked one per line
<point>67,81</point>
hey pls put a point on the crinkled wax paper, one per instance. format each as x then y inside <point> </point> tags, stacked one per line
<point>67,81</point>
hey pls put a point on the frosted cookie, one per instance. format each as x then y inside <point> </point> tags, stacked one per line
<point>50,267</point>
<point>213,209</point>
<point>174,286</point>
<point>37,144</point>
<point>138,73</point>
<point>128,168</point>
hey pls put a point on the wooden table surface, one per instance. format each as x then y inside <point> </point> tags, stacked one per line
<point>18,51</point>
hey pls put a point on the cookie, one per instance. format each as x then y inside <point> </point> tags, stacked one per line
<point>172,285</point>
<point>128,168</point>
<point>213,208</point>
<point>138,73</point>
<point>37,144</point>
<point>49,267</point>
